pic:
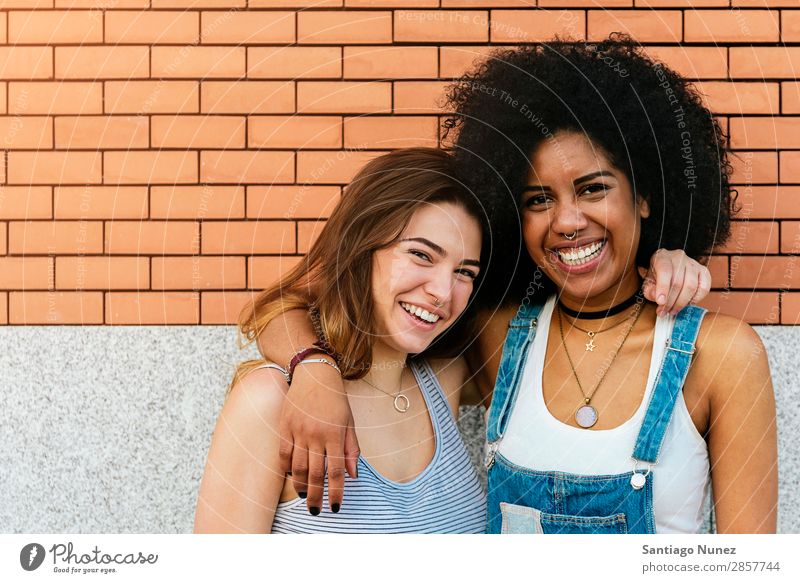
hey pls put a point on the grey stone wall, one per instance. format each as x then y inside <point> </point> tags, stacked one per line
<point>106,429</point>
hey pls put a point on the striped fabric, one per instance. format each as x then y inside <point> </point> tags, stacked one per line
<point>445,498</point>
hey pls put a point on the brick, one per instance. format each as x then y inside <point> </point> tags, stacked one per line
<point>754,167</point>
<point>455,61</point>
<point>441,26</point>
<point>790,25</point>
<point>294,62</point>
<point>682,3</point>
<point>790,167</point>
<point>55,27</point>
<point>107,62</point>
<point>247,97</point>
<point>224,307</point>
<point>192,61</point>
<point>100,202</point>
<point>195,273</point>
<point>643,25</point>
<point>790,237</point>
<point>294,3</point>
<point>294,132</point>
<point>93,132</point>
<point>26,132</point>
<point>152,308</point>
<point>25,202</point>
<point>30,308</point>
<point>397,3</point>
<point>790,309</point>
<point>291,202</point>
<point>765,132</point>
<point>102,4</point>
<point>764,62</point>
<point>102,273</point>
<point>199,3</point>
<point>693,62</point>
<point>152,238</point>
<point>329,167</point>
<point>3,238</point>
<point>519,26</point>
<point>44,167</point>
<point>145,97</point>
<point>3,308</point>
<point>390,62</point>
<point>61,97</point>
<point>26,4</point>
<point>769,202</point>
<point>740,98</point>
<point>493,3</point>
<point>414,97</point>
<point>790,97</point>
<point>390,132</point>
<point>248,27</point>
<point>752,307</point>
<point>50,237</point>
<point>752,237</point>
<point>26,62</point>
<point>147,27</point>
<point>264,272</point>
<point>197,202</point>
<point>150,167</point>
<point>763,3</point>
<point>343,97</point>
<point>246,167</point>
<point>26,272</point>
<point>362,27</point>
<point>718,267</point>
<point>731,26</point>
<point>3,93</point>
<point>760,272</point>
<point>198,131</point>
<point>248,237</point>
<point>307,233</point>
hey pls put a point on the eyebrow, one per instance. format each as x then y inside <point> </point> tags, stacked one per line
<point>586,178</point>
<point>439,250</point>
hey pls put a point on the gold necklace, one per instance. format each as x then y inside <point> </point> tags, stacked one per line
<point>590,345</point>
<point>586,415</point>
<point>401,402</point>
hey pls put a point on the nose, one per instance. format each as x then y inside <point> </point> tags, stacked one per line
<point>567,217</point>
<point>439,285</point>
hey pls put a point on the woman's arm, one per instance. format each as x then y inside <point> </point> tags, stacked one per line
<point>742,437</point>
<point>242,482</point>
<point>315,420</point>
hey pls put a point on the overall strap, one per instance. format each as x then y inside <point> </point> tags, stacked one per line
<point>669,383</point>
<point>521,331</point>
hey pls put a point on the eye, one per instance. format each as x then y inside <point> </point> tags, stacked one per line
<point>467,273</point>
<point>536,201</point>
<point>421,254</point>
<point>595,188</point>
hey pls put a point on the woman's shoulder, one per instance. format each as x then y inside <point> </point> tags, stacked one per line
<point>258,391</point>
<point>726,343</point>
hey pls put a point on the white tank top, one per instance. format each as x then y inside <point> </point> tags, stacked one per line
<point>537,440</point>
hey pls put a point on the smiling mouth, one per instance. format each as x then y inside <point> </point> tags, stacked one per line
<point>578,256</point>
<point>420,313</point>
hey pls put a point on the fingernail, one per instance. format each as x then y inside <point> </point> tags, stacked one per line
<point>302,494</point>
<point>288,473</point>
<point>314,511</point>
<point>662,298</point>
<point>335,508</point>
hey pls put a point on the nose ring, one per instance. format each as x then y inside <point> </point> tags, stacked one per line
<point>571,236</point>
<point>436,302</point>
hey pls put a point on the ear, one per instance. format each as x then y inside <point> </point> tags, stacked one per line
<point>644,206</point>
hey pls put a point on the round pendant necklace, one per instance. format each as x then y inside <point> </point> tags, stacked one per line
<point>586,416</point>
<point>401,402</point>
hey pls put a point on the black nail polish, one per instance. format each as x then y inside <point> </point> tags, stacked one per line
<point>335,508</point>
<point>314,511</point>
<point>302,494</point>
<point>288,473</point>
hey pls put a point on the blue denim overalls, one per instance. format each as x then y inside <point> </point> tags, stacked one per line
<point>521,500</point>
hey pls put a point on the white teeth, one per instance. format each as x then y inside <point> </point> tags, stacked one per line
<point>420,312</point>
<point>581,256</point>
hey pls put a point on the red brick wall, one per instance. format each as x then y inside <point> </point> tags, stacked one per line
<point>161,158</point>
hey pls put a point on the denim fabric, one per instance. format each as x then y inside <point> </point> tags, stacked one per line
<point>524,500</point>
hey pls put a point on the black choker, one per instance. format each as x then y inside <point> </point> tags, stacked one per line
<point>637,297</point>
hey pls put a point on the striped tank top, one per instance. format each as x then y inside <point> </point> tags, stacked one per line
<point>445,498</point>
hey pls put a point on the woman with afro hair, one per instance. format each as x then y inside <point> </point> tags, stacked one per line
<point>589,160</point>
<point>607,156</point>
